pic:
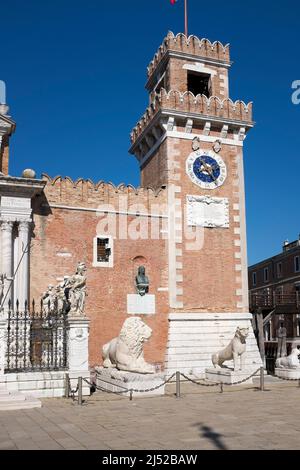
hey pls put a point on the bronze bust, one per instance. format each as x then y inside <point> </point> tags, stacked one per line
<point>142,281</point>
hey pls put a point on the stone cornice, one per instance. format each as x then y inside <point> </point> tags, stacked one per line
<point>22,187</point>
<point>162,116</point>
<point>7,125</point>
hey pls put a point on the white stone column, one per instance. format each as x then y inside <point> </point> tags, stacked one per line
<point>23,274</point>
<point>7,261</point>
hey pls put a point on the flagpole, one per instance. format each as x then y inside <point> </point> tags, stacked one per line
<point>186,17</point>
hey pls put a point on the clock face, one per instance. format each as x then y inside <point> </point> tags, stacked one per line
<point>206,169</point>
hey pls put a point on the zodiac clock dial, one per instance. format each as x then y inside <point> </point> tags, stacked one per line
<point>206,169</point>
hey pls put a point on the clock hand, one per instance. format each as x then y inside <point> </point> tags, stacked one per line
<point>209,169</point>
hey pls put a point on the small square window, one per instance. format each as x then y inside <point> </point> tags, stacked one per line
<point>103,252</point>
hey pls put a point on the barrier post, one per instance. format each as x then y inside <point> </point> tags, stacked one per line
<point>262,379</point>
<point>177,384</point>
<point>67,386</point>
<point>79,390</point>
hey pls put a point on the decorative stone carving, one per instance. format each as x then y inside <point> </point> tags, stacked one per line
<point>68,296</point>
<point>29,173</point>
<point>196,144</point>
<point>77,291</point>
<point>205,211</point>
<point>236,349</point>
<point>291,361</point>
<point>217,147</point>
<point>142,281</point>
<point>49,300</point>
<point>126,351</point>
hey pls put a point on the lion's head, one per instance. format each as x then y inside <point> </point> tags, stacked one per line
<point>134,333</point>
<point>295,352</point>
<point>242,333</point>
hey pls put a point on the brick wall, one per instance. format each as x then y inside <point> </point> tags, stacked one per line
<point>62,237</point>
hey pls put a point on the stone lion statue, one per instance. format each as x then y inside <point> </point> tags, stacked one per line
<point>289,362</point>
<point>126,352</point>
<point>236,349</point>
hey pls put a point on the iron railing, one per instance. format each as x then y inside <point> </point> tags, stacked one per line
<point>36,341</point>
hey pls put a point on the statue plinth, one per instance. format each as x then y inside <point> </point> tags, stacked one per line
<point>78,343</point>
<point>228,376</point>
<point>285,373</point>
<point>114,380</point>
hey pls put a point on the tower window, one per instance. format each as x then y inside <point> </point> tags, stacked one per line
<point>254,279</point>
<point>199,83</point>
<point>103,252</point>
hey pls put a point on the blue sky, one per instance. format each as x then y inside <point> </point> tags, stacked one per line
<point>75,74</point>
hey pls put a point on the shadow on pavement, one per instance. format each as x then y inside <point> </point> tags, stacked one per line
<point>208,433</point>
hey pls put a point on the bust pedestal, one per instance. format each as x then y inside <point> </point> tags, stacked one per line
<point>141,304</point>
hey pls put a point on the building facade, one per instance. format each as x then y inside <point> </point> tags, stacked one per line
<point>185,224</point>
<point>274,288</point>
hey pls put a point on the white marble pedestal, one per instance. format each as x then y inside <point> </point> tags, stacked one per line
<point>228,376</point>
<point>114,380</point>
<point>284,373</point>
<point>78,351</point>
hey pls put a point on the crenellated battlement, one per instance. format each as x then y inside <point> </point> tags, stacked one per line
<point>190,45</point>
<point>200,104</point>
<point>86,193</point>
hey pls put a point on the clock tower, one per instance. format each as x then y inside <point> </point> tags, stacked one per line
<point>191,140</point>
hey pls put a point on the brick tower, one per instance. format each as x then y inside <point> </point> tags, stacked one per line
<point>191,139</point>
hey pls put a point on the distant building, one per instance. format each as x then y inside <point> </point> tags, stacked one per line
<point>274,289</point>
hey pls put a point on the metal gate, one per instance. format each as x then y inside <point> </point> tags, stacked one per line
<point>36,341</point>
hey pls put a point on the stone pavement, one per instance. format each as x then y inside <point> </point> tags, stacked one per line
<point>240,418</point>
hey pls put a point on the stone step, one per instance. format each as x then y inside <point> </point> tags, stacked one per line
<point>28,403</point>
<point>12,396</point>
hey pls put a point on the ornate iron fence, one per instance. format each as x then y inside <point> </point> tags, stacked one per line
<point>36,341</point>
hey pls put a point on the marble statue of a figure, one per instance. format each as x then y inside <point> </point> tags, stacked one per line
<point>77,291</point>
